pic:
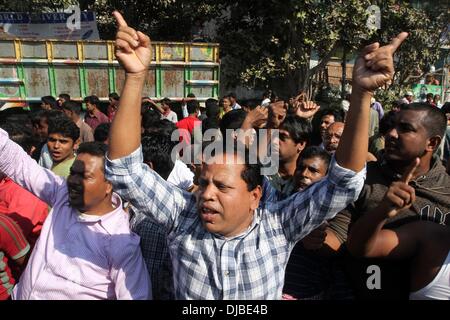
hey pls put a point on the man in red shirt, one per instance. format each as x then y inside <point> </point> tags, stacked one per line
<point>28,211</point>
<point>14,249</point>
<point>21,218</point>
<point>94,116</point>
<point>113,105</point>
<point>189,123</point>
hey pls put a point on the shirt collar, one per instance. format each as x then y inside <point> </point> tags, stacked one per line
<point>255,222</point>
<point>108,220</point>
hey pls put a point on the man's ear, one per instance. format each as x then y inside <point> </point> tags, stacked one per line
<point>109,187</point>
<point>433,143</point>
<point>76,144</point>
<point>255,197</point>
<point>301,146</point>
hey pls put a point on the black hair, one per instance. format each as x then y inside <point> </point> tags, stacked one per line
<point>37,116</point>
<point>191,95</point>
<point>330,112</point>
<point>94,148</point>
<point>315,152</point>
<point>212,108</point>
<point>114,95</point>
<point>435,121</point>
<point>430,95</point>
<point>149,118</point>
<point>252,104</point>
<point>162,126</point>
<point>166,101</point>
<point>192,106</point>
<point>64,96</point>
<point>145,106</point>
<point>20,134</point>
<point>92,100</point>
<point>252,171</point>
<point>446,108</point>
<point>210,123</point>
<point>101,132</point>
<point>232,95</point>
<point>156,149</point>
<point>386,122</point>
<point>51,101</point>
<point>64,126</point>
<point>73,106</point>
<point>232,120</point>
<point>299,129</point>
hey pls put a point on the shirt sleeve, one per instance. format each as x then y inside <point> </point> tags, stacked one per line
<point>304,211</point>
<point>150,194</point>
<point>22,169</point>
<point>12,241</point>
<point>129,273</point>
<point>339,224</point>
<point>269,193</point>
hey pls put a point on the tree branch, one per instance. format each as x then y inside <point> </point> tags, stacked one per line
<point>325,59</point>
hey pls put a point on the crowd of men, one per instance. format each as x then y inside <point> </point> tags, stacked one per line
<point>102,204</point>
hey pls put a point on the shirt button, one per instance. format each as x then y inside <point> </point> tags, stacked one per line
<point>227,273</point>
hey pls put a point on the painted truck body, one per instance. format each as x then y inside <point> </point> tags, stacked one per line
<point>31,69</point>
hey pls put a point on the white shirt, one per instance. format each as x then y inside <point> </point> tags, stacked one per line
<point>181,176</point>
<point>45,160</point>
<point>439,288</point>
<point>171,116</point>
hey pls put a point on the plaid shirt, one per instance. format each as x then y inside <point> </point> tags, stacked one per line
<point>248,266</point>
<point>155,253</point>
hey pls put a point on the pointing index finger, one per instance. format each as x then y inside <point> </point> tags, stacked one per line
<point>397,41</point>
<point>408,174</point>
<point>119,19</point>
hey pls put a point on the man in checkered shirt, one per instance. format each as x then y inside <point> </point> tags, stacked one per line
<point>221,244</point>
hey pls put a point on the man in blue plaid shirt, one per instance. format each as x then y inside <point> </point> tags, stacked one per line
<point>221,244</point>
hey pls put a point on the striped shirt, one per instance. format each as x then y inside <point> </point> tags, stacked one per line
<point>247,266</point>
<point>77,256</point>
<point>13,246</point>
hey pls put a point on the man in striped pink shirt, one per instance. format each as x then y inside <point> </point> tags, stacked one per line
<point>86,249</point>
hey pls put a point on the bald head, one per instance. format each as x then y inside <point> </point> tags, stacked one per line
<point>332,136</point>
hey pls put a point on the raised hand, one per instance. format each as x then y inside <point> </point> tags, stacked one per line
<point>256,118</point>
<point>307,109</point>
<point>277,113</point>
<point>400,194</point>
<point>132,49</point>
<point>375,66</point>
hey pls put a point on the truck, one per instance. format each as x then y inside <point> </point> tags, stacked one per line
<point>30,69</point>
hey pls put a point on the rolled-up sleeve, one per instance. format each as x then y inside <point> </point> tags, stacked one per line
<point>304,211</point>
<point>135,182</point>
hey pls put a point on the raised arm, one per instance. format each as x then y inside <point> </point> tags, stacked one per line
<point>133,180</point>
<point>134,54</point>
<point>373,69</point>
<point>367,237</point>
